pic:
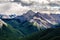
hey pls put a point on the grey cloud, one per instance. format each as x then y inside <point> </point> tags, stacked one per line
<point>3,0</point>
<point>11,8</point>
<point>22,3</point>
<point>16,1</point>
<point>18,6</point>
<point>4,7</point>
<point>25,4</point>
<point>54,4</point>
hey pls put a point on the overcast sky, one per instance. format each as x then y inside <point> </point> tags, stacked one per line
<point>21,6</point>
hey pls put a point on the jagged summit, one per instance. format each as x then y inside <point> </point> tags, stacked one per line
<point>30,11</point>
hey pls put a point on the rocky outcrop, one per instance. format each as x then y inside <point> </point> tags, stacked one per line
<point>2,23</point>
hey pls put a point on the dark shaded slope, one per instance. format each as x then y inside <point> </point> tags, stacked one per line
<point>26,31</point>
<point>9,33</point>
<point>48,34</point>
<point>25,27</point>
<point>15,30</point>
<point>51,35</point>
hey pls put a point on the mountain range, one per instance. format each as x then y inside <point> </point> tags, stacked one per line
<point>39,19</point>
<point>30,23</point>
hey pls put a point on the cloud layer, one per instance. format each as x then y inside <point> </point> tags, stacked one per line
<point>21,6</point>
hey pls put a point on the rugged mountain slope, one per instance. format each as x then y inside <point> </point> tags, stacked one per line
<point>26,31</point>
<point>15,30</point>
<point>30,23</point>
<point>9,33</point>
<point>25,27</point>
<point>40,19</point>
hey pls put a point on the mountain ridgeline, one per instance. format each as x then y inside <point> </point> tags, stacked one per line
<point>31,26</point>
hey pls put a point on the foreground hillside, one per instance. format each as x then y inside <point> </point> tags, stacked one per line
<point>15,30</point>
<point>48,34</point>
<point>26,31</point>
